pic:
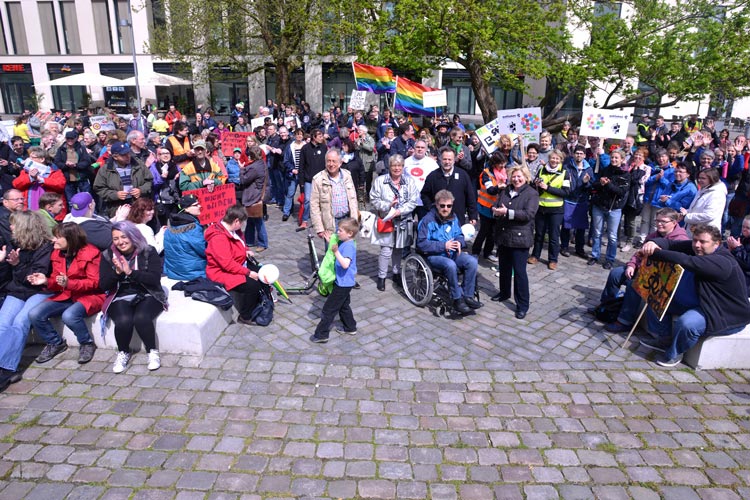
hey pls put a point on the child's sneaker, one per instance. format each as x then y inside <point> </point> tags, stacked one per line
<point>154,362</point>
<point>121,362</point>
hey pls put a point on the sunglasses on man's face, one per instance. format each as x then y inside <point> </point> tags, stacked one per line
<point>442,205</point>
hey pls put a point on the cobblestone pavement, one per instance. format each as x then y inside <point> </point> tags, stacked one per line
<point>414,406</point>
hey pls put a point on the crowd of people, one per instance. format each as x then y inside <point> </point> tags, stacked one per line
<point>91,221</point>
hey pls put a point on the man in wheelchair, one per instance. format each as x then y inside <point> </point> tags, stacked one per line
<point>441,241</point>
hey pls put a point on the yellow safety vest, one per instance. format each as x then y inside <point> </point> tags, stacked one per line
<point>556,180</point>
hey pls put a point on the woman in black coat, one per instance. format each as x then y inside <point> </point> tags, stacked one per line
<point>514,211</point>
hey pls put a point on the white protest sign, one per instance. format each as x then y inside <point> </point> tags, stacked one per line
<point>258,122</point>
<point>489,135</point>
<point>357,100</point>
<point>526,122</point>
<point>434,99</point>
<point>100,122</point>
<point>605,123</point>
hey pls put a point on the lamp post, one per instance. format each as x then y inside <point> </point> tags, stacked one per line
<point>129,23</point>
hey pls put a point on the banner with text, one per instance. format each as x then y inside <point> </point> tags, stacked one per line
<point>604,123</point>
<point>358,99</point>
<point>526,122</point>
<point>99,123</point>
<point>231,140</point>
<point>214,204</point>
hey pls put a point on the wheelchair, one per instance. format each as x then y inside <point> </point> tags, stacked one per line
<point>423,286</point>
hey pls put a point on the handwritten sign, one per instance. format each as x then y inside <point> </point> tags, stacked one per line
<point>435,99</point>
<point>606,123</point>
<point>231,140</point>
<point>656,283</point>
<point>214,204</point>
<point>357,100</point>
<point>259,122</point>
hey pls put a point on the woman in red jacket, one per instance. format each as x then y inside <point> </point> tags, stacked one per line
<point>227,257</point>
<point>37,178</point>
<point>75,278</point>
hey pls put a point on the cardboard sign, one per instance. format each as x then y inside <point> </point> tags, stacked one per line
<point>101,122</point>
<point>231,140</point>
<point>656,283</point>
<point>434,99</point>
<point>489,135</point>
<point>214,205</point>
<point>526,122</point>
<point>605,123</point>
<point>258,122</point>
<point>357,100</point>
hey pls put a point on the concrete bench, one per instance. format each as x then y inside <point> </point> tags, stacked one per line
<point>717,353</point>
<point>188,327</point>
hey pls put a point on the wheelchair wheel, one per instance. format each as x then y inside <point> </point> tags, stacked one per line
<point>416,279</point>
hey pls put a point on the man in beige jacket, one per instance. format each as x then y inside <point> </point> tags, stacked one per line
<point>334,196</point>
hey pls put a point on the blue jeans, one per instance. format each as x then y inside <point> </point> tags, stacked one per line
<point>308,194</point>
<point>277,185</point>
<point>686,330</point>
<point>291,190</point>
<point>14,328</point>
<point>631,307</point>
<point>450,267</point>
<point>256,231</point>
<point>613,222</point>
<point>615,280</point>
<point>73,188</point>
<point>73,316</point>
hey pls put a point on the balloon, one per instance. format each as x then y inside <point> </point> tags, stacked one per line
<point>469,231</point>
<point>268,273</point>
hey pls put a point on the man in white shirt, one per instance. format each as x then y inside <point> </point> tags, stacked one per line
<point>418,166</point>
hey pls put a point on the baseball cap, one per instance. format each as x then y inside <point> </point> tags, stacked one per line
<point>119,148</point>
<point>237,150</point>
<point>199,144</point>
<point>79,204</point>
<point>240,105</point>
<point>188,201</point>
<point>71,134</point>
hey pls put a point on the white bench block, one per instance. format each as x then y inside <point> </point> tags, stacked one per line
<point>188,327</point>
<point>716,353</point>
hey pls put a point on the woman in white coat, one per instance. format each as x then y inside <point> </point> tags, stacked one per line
<point>708,205</point>
<point>395,194</point>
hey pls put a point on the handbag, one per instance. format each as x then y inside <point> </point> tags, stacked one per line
<point>262,315</point>
<point>385,226</point>
<point>255,210</point>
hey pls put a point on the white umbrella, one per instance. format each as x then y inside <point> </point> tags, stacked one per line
<point>156,79</point>
<point>86,80</point>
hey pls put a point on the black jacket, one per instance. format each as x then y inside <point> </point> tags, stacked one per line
<point>83,166</point>
<point>311,161</point>
<point>29,262</point>
<point>517,232</point>
<point>719,282</point>
<point>614,194</point>
<point>457,183</point>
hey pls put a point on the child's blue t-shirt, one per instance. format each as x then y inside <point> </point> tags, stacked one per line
<point>346,277</point>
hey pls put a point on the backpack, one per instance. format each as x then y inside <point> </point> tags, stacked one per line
<point>607,311</point>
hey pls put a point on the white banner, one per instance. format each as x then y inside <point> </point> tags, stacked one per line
<point>605,123</point>
<point>434,99</point>
<point>526,122</point>
<point>101,123</point>
<point>357,100</point>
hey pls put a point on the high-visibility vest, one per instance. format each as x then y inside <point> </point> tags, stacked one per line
<point>180,148</point>
<point>556,180</point>
<point>483,197</point>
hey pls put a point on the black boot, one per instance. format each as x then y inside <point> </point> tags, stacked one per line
<point>381,284</point>
<point>460,306</point>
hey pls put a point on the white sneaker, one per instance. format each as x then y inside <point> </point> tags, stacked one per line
<point>121,362</point>
<point>154,362</point>
<point>493,258</point>
<point>627,247</point>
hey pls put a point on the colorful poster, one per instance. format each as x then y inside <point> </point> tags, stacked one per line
<point>231,140</point>
<point>656,283</point>
<point>526,122</point>
<point>214,204</point>
<point>101,122</point>
<point>489,135</point>
<point>604,123</point>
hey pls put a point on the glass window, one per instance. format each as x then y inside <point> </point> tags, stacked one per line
<point>227,90</point>
<point>49,27</point>
<point>102,31</point>
<point>70,27</point>
<point>338,84</point>
<point>125,36</point>
<point>507,99</point>
<point>71,97</point>
<point>3,45</point>
<point>17,28</point>
<point>296,84</point>
<point>181,96</point>
<point>17,91</point>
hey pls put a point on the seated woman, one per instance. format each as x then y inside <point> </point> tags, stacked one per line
<point>184,245</point>
<point>227,257</point>
<point>75,279</point>
<point>141,213</point>
<point>32,255</point>
<point>130,272</point>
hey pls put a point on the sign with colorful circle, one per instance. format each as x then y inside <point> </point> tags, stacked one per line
<point>531,122</point>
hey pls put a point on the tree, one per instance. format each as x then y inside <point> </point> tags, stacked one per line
<point>498,41</point>
<point>656,53</point>
<point>244,35</point>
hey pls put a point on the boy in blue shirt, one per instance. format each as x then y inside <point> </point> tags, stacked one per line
<point>346,269</point>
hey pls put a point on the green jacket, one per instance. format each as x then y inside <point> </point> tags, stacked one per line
<point>108,183</point>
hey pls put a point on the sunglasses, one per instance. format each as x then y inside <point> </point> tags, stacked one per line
<point>441,205</point>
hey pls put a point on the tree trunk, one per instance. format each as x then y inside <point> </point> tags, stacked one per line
<point>283,70</point>
<point>482,91</point>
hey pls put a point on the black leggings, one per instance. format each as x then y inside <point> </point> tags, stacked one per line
<point>142,316</point>
<point>246,297</point>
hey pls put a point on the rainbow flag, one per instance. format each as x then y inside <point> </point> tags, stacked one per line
<point>373,79</point>
<point>409,97</point>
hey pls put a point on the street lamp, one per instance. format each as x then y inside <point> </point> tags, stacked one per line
<point>129,23</point>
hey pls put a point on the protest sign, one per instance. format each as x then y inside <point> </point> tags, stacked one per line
<point>656,283</point>
<point>526,122</point>
<point>489,135</point>
<point>101,122</point>
<point>434,99</point>
<point>231,140</point>
<point>357,100</point>
<point>214,204</point>
<point>258,122</point>
<point>605,123</point>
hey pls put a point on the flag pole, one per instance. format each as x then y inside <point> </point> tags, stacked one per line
<point>356,85</point>
<point>393,106</point>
